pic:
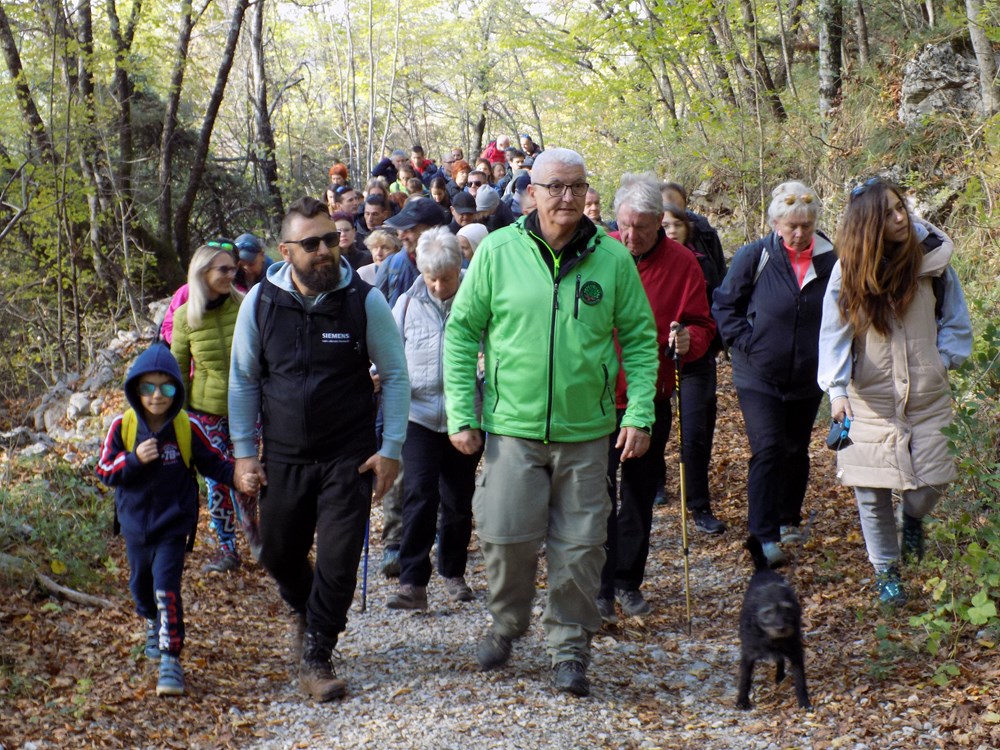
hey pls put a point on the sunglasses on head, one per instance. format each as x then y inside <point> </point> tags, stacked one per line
<point>226,245</point>
<point>167,390</point>
<point>311,244</point>
<point>863,187</point>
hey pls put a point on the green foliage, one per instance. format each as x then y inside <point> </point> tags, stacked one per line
<point>55,516</point>
<point>966,582</point>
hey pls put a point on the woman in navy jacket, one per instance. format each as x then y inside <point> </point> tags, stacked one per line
<point>768,310</point>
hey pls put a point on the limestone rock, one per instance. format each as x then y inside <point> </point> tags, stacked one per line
<point>944,77</point>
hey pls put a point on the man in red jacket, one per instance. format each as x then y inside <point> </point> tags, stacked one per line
<point>675,287</point>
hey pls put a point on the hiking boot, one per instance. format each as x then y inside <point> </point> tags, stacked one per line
<point>912,544</point>
<point>705,520</point>
<point>317,679</point>
<point>632,602</point>
<point>297,632</point>
<point>408,597</point>
<point>571,677</point>
<point>152,650</point>
<point>774,554</point>
<point>458,590</point>
<point>390,563</point>
<point>607,609</point>
<point>224,561</point>
<point>890,587</point>
<point>171,680</point>
<point>493,651</point>
<point>791,535</point>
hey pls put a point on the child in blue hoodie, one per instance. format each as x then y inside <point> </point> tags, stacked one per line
<point>149,457</point>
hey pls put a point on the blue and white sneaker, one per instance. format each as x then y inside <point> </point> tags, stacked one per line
<point>171,680</point>
<point>152,650</point>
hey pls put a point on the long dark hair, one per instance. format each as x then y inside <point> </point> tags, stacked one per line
<point>879,278</point>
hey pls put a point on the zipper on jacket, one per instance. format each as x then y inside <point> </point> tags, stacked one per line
<point>496,384</point>
<point>576,301</point>
<point>601,402</point>
<point>552,353</point>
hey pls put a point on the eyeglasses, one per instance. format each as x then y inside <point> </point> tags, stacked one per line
<point>558,189</point>
<point>311,244</point>
<point>224,270</point>
<point>167,390</point>
<point>226,245</point>
<point>806,198</point>
<point>476,184</point>
<point>863,187</point>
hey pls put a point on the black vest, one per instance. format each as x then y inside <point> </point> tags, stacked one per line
<point>316,390</point>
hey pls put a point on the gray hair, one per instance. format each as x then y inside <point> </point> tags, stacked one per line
<point>438,252</point>
<point>641,193</point>
<point>793,198</point>
<point>565,156</point>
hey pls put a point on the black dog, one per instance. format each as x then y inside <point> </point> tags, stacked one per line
<point>770,628</point>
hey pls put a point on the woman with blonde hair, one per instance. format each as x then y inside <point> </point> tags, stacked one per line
<point>202,343</point>
<point>768,310</point>
<point>894,322</point>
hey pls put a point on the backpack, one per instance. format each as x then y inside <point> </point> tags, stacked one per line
<point>182,429</point>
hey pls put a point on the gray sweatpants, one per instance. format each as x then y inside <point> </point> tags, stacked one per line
<point>878,521</point>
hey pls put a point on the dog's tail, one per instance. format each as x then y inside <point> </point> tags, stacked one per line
<point>756,553</point>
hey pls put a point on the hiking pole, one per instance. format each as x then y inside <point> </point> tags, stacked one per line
<point>364,568</point>
<point>676,327</point>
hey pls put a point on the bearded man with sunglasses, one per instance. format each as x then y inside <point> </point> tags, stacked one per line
<point>548,298</point>
<point>305,338</point>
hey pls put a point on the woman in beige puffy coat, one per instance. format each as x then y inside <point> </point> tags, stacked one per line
<point>894,322</point>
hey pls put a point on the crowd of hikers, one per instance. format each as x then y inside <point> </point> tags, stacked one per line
<point>478,343</point>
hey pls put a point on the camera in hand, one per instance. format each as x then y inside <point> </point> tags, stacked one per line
<point>839,437</point>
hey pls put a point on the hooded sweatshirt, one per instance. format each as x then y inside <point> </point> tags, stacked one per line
<point>158,500</point>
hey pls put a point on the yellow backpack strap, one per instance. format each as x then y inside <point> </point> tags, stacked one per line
<point>182,429</point>
<point>129,426</point>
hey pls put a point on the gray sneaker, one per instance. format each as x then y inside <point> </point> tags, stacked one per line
<point>774,554</point>
<point>607,609</point>
<point>632,602</point>
<point>152,649</point>
<point>458,590</point>
<point>791,535</point>
<point>571,677</point>
<point>493,651</point>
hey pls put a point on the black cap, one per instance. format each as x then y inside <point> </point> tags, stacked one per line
<point>464,203</point>
<point>419,211</point>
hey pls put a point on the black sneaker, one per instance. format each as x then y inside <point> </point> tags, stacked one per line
<point>632,602</point>
<point>494,651</point>
<point>912,546</point>
<point>705,520</point>
<point>571,677</point>
<point>607,609</point>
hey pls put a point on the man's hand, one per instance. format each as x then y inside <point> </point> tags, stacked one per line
<point>467,442</point>
<point>249,475</point>
<point>633,442</point>
<point>386,470</point>
<point>147,451</point>
<point>841,407</point>
<point>679,339</point>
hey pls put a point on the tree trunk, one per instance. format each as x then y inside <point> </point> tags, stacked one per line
<point>762,73</point>
<point>122,91</point>
<point>185,208</point>
<point>36,126</point>
<point>861,28</point>
<point>167,260</point>
<point>985,57</point>
<point>789,31</point>
<point>831,32</point>
<point>264,157</point>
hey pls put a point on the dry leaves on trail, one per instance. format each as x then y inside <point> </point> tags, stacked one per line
<point>74,677</point>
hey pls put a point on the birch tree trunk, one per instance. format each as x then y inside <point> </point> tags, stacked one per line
<point>984,56</point>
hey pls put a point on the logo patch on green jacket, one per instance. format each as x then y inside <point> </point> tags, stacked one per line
<point>591,293</point>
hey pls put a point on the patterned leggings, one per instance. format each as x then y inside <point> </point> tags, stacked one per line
<point>222,506</point>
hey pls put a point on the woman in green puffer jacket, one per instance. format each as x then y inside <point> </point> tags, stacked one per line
<point>202,342</point>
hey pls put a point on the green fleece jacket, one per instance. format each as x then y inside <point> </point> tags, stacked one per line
<point>209,347</point>
<point>549,343</point>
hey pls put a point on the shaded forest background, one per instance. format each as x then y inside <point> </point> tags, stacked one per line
<point>133,131</point>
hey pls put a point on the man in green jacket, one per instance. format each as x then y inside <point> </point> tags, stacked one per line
<point>545,297</point>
